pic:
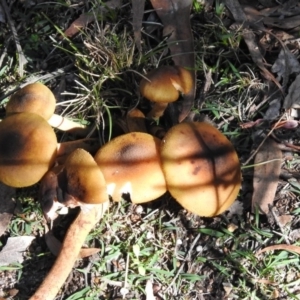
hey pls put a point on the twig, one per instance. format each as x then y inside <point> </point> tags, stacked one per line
<point>274,211</point>
<point>260,145</point>
<point>187,258</point>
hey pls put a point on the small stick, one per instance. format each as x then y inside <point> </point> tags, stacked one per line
<point>72,244</point>
<point>187,258</point>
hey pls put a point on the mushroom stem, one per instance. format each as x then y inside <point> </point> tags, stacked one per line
<point>66,124</point>
<point>91,145</point>
<point>70,250</point>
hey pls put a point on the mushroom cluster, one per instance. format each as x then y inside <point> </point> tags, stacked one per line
<point>194,161</point>
<point>28,144</point>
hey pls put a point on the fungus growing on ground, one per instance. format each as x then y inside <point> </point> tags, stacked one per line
<point>164,85</point>
<point>84,184</point>
<point>28,148</point>
<point>85,181</point>
<point>201,168</point>
<point>131,165</point>
<point>39,99</point>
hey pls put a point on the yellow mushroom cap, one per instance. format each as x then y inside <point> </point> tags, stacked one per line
<point>33,98</point>
<point>85,181</point>
<point>27,149</point>
<point>164,84</point>
<point>131,164</point>
<point>201,168</point>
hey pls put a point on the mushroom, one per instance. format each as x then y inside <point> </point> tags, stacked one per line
<point>28,148</point>
<point>85,181</point>
<point>84,184</point>
<point>201,168</point>
<point>164,85</point>
<point>131,165</point>
<point>38,98</point>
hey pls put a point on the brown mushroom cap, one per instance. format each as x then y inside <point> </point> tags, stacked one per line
<point>27,149</point>
<point>164,84</point>
<point>34,98</point>
<point>85,181</point>
<point>201,168</point>
<point>131,164</point>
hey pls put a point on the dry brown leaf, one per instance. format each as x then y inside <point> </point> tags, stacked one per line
<point>175,16</point>
<point>285,23</point>
<point>86,252</point>
<point>53,244</point>
<point>292,99</point>
<point>286,64</point>
<point>286,247</point>
<point>266,175</point>
<point>137,18</point>
<point>13,251</point>
<point>79,23</point>
<point>87,18</point>
<point>7,205</point>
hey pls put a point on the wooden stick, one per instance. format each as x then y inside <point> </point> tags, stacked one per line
<point>72,244</point>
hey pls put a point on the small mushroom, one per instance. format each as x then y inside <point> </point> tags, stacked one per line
<point>28,148</point>
<point>201,168</point>
<point>131,165</point>
<point>38,98</point>
<point>164,85</point>
<point>85,181</point>
<point>84,184</point>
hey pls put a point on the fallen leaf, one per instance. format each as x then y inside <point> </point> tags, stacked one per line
<point>137,18</point>
<point>286,64</point>
<point>285,220</point>
<point>286,247</point>
<point>53,244</point>
<point>292,99</point>
<point>175,16</point>
<point>13,250</point>
<point>86,18</point>
<point>283,23</point>
<point>294,235</point>
<point>7,205</point>
<point>78,24</point>
<point>266,175</point>
<point>86,252</point>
